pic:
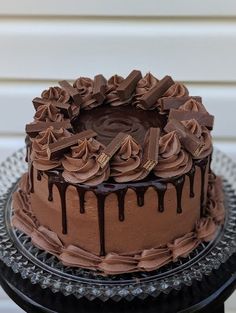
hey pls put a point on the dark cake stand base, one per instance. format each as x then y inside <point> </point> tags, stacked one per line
<point>207,295</point>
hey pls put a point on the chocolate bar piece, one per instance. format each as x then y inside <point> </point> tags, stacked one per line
<point>175,102</point>
<point>37,102</point>
<point>111,149</point>
<point>190,142</point>
<point>128,85</point>
<point>151,149</point>
<point>204,119</point>
<point>65,108</point>
<point>151,97</point>
<point>73,92</point>
<point>56,149</point>
<point>99,88</point>
<point>34,128</point>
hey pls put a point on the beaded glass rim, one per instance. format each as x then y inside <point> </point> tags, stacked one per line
<point>17,251</point>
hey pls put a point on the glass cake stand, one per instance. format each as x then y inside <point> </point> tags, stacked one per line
<point>44,271</point>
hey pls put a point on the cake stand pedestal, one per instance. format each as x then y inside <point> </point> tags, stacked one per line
<point>38,282</point>
<point>205,296</point>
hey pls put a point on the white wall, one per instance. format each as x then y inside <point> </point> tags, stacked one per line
<point>45,41</point>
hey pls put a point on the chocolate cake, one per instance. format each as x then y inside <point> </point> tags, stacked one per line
<point>119,177</point>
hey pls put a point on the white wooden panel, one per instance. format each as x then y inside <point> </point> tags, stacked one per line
<point>54,48</point>
<point>120,8</point>
<point>18,110</point>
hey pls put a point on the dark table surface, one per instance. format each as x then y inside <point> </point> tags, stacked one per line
<point>207,295</point>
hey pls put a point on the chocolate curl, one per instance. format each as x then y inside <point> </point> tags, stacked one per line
<point>65,108</point>
<point>99,88</point>
<point>111,149</point>
<point>128,85</point>
<point>73,92</point>
<point>190,142</point>
<point>151,97</point>
<point>34,128</point>
<point>168,103</point>
<point>204,119</point>
<point>59,147</point>
<point>152,149</point>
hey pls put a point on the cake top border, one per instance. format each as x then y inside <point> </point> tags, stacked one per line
<point>83,159</point>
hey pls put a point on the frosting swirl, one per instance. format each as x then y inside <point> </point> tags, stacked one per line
<point>193,105</point>
<point>81,166</point>
<point>56,94</point>
<point>112,97</point>
<point>173,160</point>
<point>176,90</point>
<point>125,164</point>
<point>143,86</point>
<point>203,134</point>
<point>48,113</point>
<point>85,88</point>
<point>39,155</point>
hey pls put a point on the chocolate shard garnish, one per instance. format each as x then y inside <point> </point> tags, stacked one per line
<point>151,151</point>
<point>73,92</point>
<point>111,149</point>
<point>56,149</point>
<point>189,141</point>
<point>37,102</point>
<point>99,88</point>
<point>128,85</point>
<point>175,102</point>
<point>151,97</point>
<point>34,129</point>
<point>204,119</point>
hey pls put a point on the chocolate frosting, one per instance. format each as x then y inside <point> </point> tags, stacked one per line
<point>181,247</point>
<point>193,105</point>
<point>206,228</point>
<point>125,165</point>
<point>202,133</point>
<point>146,260</point>
<point>47,240</point>
<point>85,88</point>
<point>23,218</point>
<point>173,160</point>
<point>144,85</point>
<point>48,113</point>
<point>81,165</point>
<point>39,155</point>
<point>176,90</point>
<point>56,94</point>
<point>112,97</point>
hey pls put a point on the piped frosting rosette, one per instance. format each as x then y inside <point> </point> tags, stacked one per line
<point>85,85</point>
<point>39,155</point>
<point>81,166</point>
<point>173,159</point>
<point>125,165</point>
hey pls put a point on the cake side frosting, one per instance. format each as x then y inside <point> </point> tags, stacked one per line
<point>204,230</point>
